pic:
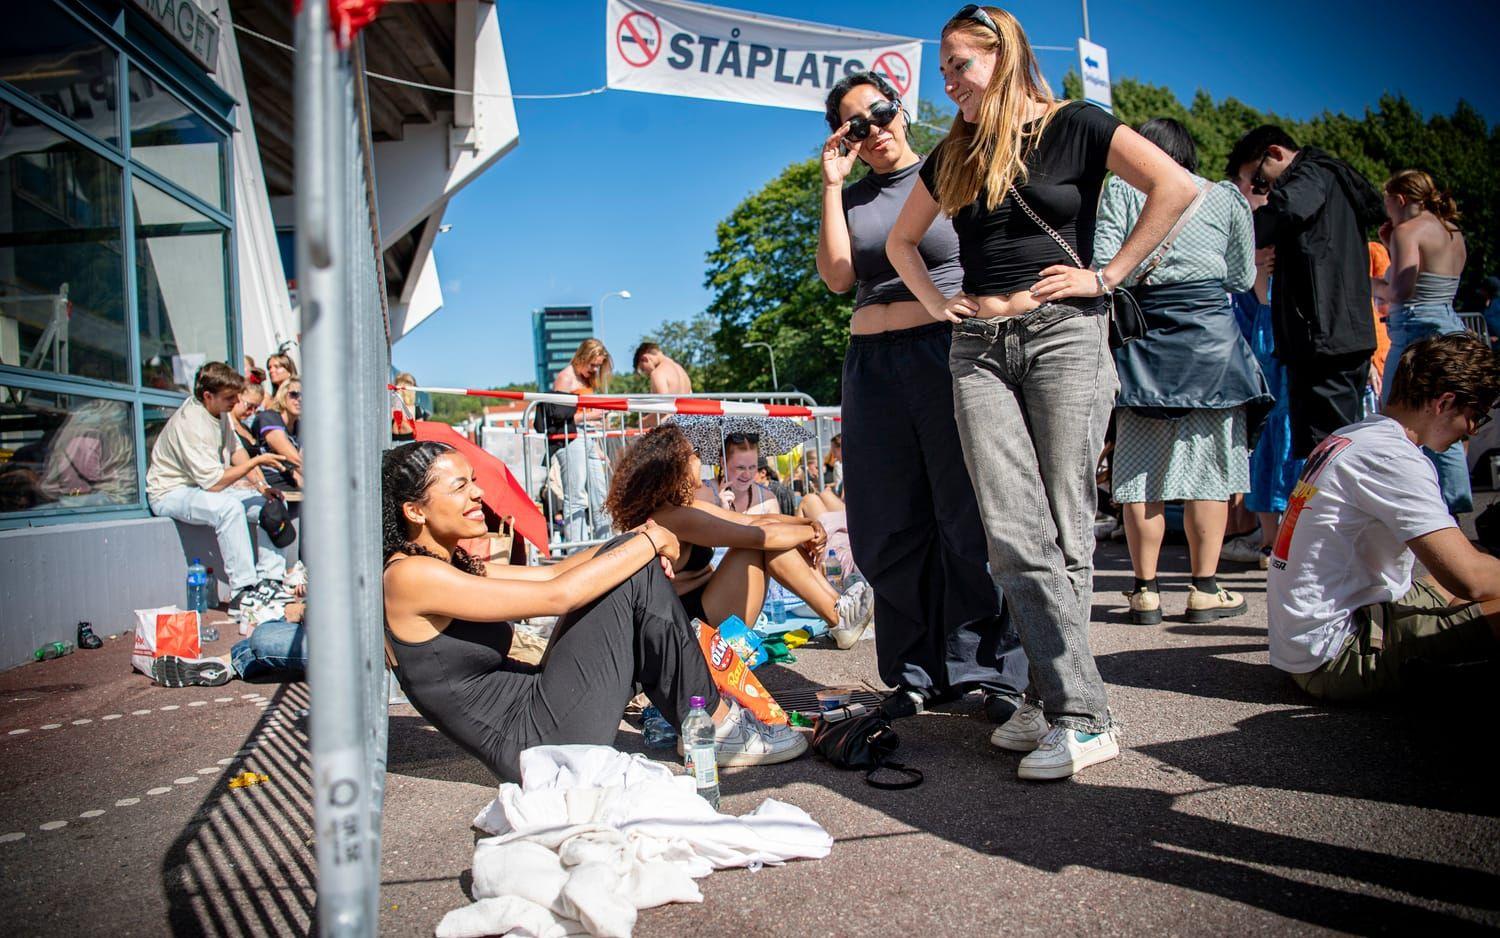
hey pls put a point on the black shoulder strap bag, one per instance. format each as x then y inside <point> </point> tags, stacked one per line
<point>864,742</point>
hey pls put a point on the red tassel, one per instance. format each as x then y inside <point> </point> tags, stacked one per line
<point>348,17</point>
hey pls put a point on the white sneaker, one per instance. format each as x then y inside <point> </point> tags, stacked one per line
<point>742,739</point>
<point>1244,549</point>
<point>1023,732</point>
<point>1065,751</point>
<point>855,607</point>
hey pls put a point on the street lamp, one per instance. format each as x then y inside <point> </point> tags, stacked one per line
<point>772,352</point>
<point>599,326</point>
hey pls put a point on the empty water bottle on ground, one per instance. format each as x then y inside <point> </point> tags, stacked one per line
<point>834,570</point>
<point>57,649</point>
<point>700,754</point>
<point>776,604</point>
<point>658,732</point>
<point>197,587</point>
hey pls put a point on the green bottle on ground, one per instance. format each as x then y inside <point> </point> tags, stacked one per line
<point>53,650</point>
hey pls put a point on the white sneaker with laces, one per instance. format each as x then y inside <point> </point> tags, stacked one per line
<point>1023,732</point>
<point>742,739</point>
<point>855,607</point>
<point>1064,752</point>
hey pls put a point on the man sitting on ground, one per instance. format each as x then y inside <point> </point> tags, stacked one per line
<point>194,465</point>
<point>667,377</point>
<point>1345,618</point>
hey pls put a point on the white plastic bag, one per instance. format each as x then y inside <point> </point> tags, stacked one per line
<point>166,630</point>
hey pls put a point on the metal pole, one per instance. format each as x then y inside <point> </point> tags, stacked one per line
<point>1086,21</point>
<point>772,352</point>
<point>337,485</point>
<point>599,326</point>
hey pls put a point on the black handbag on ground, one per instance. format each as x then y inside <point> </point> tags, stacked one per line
<point>864,742</point>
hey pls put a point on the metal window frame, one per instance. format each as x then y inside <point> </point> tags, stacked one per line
<point>126,32</point>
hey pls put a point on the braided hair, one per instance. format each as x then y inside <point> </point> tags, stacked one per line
<point>405,475</point>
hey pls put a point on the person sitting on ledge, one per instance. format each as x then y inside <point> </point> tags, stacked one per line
<point>1346,620</point>
<point>621,625</point>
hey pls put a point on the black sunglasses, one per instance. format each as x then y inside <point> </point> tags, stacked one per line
<point>976,13</point>
<point>294,395</point>
<point>1259,184</point>
<point>881,115</point>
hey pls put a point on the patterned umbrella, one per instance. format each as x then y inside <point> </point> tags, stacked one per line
<point>777,435</point>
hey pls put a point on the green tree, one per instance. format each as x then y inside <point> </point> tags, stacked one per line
<point>456,408</point>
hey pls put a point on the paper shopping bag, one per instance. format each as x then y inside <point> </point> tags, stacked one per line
<point>166,630</point>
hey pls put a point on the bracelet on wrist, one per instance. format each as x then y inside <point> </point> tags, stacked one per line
<point>1104,288</point>
<point>652,541</point>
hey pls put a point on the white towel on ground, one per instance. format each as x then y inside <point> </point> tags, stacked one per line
<point>592,835</point>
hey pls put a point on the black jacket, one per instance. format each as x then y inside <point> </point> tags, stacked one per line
<point>1316,215</point>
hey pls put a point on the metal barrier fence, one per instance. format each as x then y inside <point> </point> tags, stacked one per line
<point>574,476</point>
<point>343,433</point>
<point>1474,322</point>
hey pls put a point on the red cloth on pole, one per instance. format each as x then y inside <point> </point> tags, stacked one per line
<point>502,493</point>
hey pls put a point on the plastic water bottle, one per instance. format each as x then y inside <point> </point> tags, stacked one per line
<point>834,571</point>
<point>658,732</point>
<point>700,753</point>
<point>776,599</point>
<point>57,649</point>
<point>197,587</point>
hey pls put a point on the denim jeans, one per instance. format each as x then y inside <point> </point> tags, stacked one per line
<point>275,645</point>
<point>585,480</point>
<point>1032,396</point>
<point>1410,324</point>
<point>232,513</point>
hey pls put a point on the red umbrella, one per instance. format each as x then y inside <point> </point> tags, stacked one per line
<point>503,495</point>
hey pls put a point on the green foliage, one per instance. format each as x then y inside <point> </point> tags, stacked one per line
<point>456,408</point>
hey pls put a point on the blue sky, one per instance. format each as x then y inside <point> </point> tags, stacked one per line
<point>621,191</point>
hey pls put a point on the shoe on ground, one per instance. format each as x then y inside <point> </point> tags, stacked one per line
<point>1000,708</point>
<point>172,671</point>
<point>856,607</point>
<point>1244,549</point>
<point>247,595</point>
<point>1145,606</point>
<point>1022,732</point>
<point>87,638</point>
<point>1207,607</point>
<point>1064,752</point>
<point>903,702</point>
<point>742,739</point>
<point>273,591</point>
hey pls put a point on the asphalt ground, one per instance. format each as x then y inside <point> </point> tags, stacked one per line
<point>1236,807</point>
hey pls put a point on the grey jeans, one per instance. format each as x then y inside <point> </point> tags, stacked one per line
<point>1032,396</point>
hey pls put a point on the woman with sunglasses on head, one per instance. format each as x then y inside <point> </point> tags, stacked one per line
<point>447,625</point>
<point>1033,379</point>
<point>913,523</point>
<point>656,480</point>
<point>276,429</point>
<point>738,489</point>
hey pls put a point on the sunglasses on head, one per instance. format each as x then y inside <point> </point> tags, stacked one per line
<point>881,115</point>
<point>976,13</point>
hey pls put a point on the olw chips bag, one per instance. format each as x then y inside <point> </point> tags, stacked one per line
<point>732,677</point>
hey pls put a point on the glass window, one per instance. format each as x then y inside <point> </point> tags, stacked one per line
<point>52,57</point>
<point>181,286</point>
<point>65,450</point>
<point>170,138</point>
<point>62,275</point>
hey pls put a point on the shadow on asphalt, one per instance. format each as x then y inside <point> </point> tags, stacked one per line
<point>244,864</point>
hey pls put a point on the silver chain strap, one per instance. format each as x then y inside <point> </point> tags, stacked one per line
<point>1046,227</point>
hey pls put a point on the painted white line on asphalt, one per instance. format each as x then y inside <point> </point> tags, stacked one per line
<point>185,780</point>
<point>94,813</point>
<point>208,770</point>
<point>50,726</point>
<point>226,761</point>
<point>157,791</point>
<point>248,696</point>
<point>198,703</point>
<point>18,732</point>
<point>12,837</point>
<point>170,707</point>
<point>139,713</point>
<point>111,716</point>
<point>127,802</point>
<point>84,722</point>
<point>53,825</point>
<point>223,700</point>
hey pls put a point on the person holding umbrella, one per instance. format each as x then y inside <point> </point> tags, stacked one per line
<point>913,520</point>
<point>656,480</point>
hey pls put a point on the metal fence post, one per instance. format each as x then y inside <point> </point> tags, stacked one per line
<point>339,540</point>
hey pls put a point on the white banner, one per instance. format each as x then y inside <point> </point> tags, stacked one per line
<point>698,51</point>
<point>1093,64</point>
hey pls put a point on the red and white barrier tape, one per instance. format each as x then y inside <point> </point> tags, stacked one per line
<point>679,405</point>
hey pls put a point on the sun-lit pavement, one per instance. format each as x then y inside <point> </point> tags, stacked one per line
<point>1236,807</point>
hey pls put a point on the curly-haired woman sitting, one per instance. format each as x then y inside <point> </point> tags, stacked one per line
<point>656,480</point>
<point>446,624</point>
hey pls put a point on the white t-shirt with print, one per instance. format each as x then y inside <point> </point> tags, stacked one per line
<point>1364,492</point>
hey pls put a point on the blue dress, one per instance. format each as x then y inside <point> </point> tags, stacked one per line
<point>1273,471</point>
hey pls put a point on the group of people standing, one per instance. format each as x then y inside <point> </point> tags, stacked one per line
<point>985,276</point>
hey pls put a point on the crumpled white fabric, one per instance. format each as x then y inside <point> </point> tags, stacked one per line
<point>593,835</point>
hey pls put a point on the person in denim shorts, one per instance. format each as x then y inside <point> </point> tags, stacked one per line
<point>1033,379</point>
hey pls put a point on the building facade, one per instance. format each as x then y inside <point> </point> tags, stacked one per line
<point>556,332</point>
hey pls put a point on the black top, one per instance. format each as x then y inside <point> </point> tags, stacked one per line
<point>264,423</point>
<point>1003,251</point>
<point>870,208</point>
<point>1316,215</point>
<point>698,558</point>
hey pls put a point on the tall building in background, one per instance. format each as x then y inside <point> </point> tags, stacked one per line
<point>555,334</point>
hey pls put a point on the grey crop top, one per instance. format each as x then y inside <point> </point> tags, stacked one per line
<point>1434,288</point>
<point>870,207</point>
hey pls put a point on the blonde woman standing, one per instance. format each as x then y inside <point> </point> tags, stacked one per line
<point>1033,379</point>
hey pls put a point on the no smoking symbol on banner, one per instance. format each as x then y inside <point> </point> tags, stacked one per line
<point>638,39</point>
<point>893,65</point>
